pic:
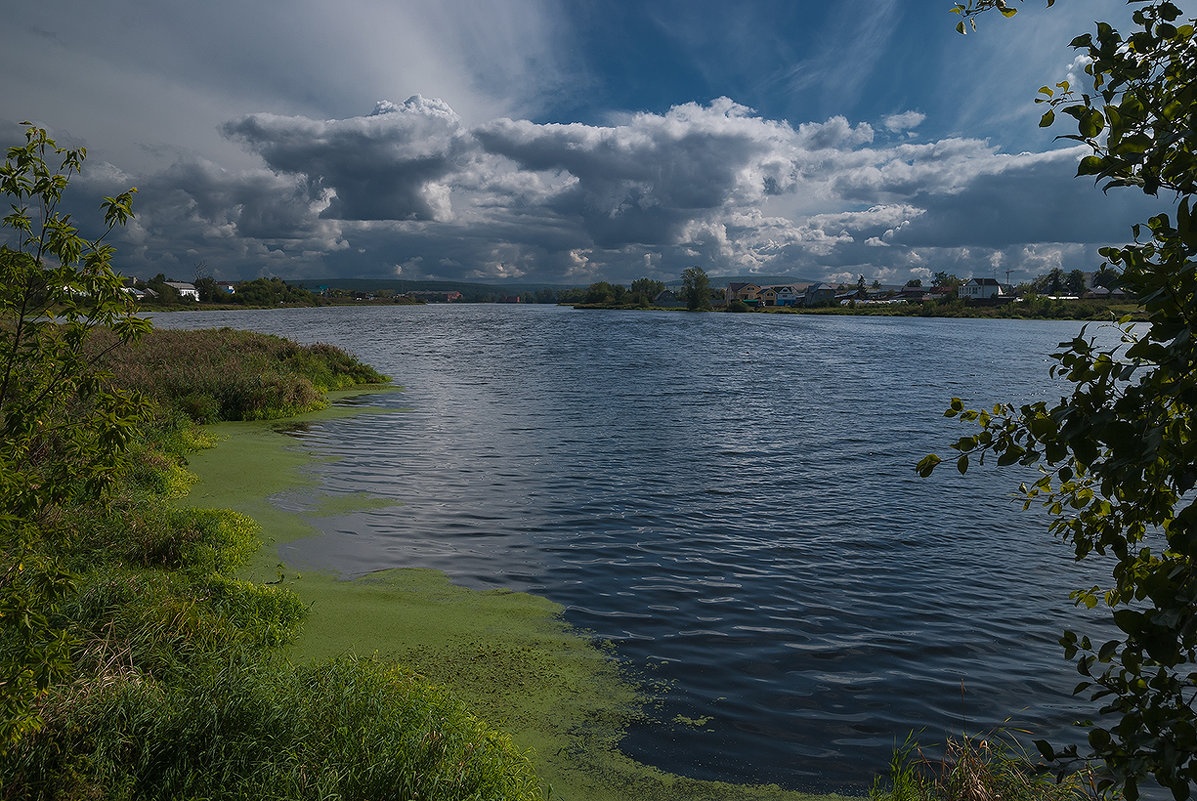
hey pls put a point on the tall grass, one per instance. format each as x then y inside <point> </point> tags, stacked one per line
<point>224,374</point>
<point>176,690</point>
<point>991,768</point>
<point>346,729</point>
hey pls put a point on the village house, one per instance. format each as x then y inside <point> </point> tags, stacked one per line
<point>668,299</point>
<point>186,290</point>
<point>748,293</point>
<point>980,289</point>
<point>819,294</point>
<point>784,295</point>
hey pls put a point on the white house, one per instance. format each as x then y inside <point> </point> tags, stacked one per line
<point>187,291</point>
<point>979,289</point>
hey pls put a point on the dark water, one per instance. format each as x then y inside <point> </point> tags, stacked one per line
<point>730,499</point>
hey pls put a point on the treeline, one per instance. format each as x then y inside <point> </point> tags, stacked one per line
<point>695,294</point>
<point>258,292</point>
<point>642,292</point>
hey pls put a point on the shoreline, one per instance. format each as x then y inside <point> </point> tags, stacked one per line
<point>508,655</point>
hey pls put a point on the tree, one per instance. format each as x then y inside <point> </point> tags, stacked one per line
<point>205,284</point>
<point>1107,278</point>
<point>945,280</point>
<point>860,284</point>
<point>63,431</point>
<point>1116,456</point>
<point>696,289</point>
<point>601,292</point>
<point>1074,283</point>
<point>645,290</point>
<point>915,282</point>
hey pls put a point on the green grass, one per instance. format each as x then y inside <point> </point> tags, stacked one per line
<point>993,768</point>
<point>222,374</point>
<point>176,687</point>
<point>508,656</point>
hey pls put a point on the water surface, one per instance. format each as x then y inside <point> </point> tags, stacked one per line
<point>731,500</point>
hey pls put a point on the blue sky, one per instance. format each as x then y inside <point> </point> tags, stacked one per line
<point>567,142</point>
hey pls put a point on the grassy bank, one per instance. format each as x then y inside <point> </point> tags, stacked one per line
<point>172,682</point>
<point>201,667</point>
<point>508,656</point>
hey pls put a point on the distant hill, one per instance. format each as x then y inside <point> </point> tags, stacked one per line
<point>760,280</point>
<point>476,291</point>
<point>405,285</point>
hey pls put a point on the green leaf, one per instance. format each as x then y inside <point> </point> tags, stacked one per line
<point>927,465</point>
<point>1090,165</point>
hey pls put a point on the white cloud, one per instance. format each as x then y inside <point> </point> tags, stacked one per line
<point>410,186</point>
<point>904,121</point>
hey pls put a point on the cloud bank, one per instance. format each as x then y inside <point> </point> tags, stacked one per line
<point>410,189</point>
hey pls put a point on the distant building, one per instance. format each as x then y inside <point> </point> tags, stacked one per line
<point>980,289</point>
<point>748,293</point>
<point>187,291</point>
<point>780,295</point>
<point>819,294</point>
<point>668,299</point>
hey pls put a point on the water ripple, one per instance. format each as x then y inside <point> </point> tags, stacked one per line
<point>730,500</point>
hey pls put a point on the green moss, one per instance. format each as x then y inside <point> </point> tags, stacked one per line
<point>508,656</point>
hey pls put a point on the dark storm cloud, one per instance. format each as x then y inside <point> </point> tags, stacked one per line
<point>380,167</point>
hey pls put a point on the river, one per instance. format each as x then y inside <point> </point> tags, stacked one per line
<point>731,501</point>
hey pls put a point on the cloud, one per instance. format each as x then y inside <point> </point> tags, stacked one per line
<point>380,167</point>
<point>904,121</point>
<point>411,189</point>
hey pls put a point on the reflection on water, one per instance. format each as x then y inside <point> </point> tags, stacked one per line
<point>731,500</point>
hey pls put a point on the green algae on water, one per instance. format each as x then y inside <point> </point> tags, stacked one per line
<point>508,655</point>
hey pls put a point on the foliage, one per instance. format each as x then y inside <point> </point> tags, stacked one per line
<point>946,280</point>
<point>270,292</point>
<point>172,688</point>
<point>1117,455</point>
<point>63,431</point>
<point>605,293</point>
<point>348,729</point>
<point>645,290</point>
<point>973,769</point>
<point>223,374</point>
<point>696,289</point>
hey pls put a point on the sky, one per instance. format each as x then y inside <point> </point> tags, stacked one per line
<point>566,142</point>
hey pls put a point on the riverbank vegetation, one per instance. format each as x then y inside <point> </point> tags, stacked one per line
<point>133,663</point>
<point>976,769</point>
<point>1115,456</point>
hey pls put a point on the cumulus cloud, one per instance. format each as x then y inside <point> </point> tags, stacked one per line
<point>384,166</point>
<point>411,190</point>
<point>904,121</point>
